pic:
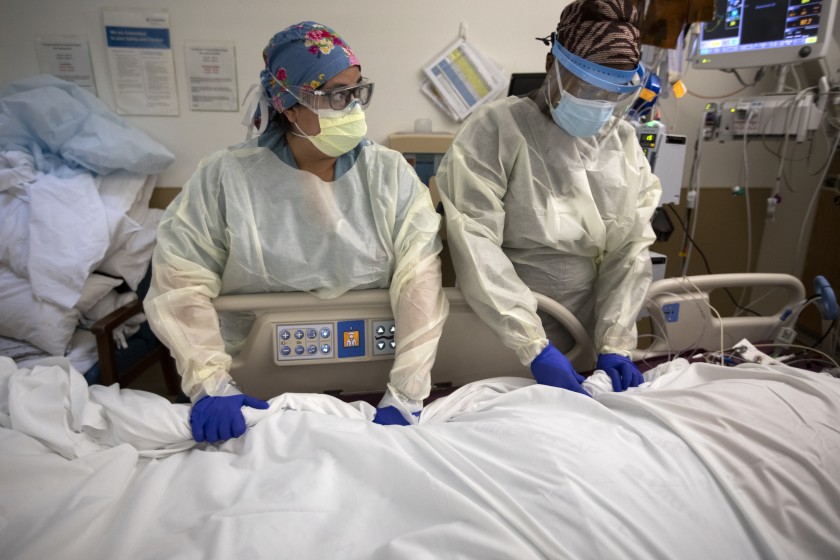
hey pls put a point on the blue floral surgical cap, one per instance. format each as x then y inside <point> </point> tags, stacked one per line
<point>305,55</point>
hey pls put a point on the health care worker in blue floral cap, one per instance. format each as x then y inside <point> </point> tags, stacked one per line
<point>308,205</point>
<point>551,194</point>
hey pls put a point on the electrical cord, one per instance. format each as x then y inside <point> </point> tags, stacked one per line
<point>700,96</point>
<point>828,156</point>
<point>783,345</point>
<point>757,78</point>
<point>689,90</point>
<point>670,206</point>
<point>669,356</point>
<point>825,334</point>
<point>732,354</point>
<point>813,202</point>
<point>747,199</point>
<point>712,308</point>
<point>692,199</point>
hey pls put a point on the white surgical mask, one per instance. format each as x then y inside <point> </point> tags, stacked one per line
<point>581,118</point>
<point>341,131</point>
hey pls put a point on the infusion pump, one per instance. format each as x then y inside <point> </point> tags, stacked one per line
<point>666,155</point>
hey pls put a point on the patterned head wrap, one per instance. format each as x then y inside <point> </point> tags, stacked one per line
<point>306,54</point>
<point>601,31</point>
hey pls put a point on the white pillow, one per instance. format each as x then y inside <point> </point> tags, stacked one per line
<point>95,288</point>
<point>19,350</point>
<point>68,236</point>
<point>82,352</point>
<point>14,230</point>
<point>132,261</point>
<point>112,301</point>
<point>44,324</point>
<point>125,197</point>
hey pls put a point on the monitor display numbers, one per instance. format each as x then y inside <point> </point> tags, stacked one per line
<point>756,33</point>
<point>647,141</point>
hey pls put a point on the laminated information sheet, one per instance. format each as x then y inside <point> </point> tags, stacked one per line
<point>66,57</point>
<point>211,76</point>
<point>140,61</point>
<point>460,79</point>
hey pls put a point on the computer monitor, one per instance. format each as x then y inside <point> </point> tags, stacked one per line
<point>524,83</point>
<point>751,33</point>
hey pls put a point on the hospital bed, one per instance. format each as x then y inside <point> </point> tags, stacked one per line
<point>286,352</point>
<point>703,461</point>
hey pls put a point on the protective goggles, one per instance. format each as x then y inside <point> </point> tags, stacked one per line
<point>336,98</point>
<point>595,82</point>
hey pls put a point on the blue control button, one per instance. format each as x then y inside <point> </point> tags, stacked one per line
<point>671,311</point>
<point>325,333</point>
<point>285,350</point>
<point>284,334</point>
<point>312,349</point>
<point>298,334</point>
<point>350,337</point>
<point>299,350</point>
<point>325,349</point>
<point>312,333</point>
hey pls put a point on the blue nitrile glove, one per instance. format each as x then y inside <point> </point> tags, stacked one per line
<point>622,371</point>
<point>215,419</point>
<point>391,416</point>
<point>551,367</point>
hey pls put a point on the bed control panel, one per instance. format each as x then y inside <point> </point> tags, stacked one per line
<point>304,342</point>
<point>334,340</point>
<point>384,342</point>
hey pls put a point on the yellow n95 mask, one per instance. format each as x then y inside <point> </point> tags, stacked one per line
<point>341,130</point>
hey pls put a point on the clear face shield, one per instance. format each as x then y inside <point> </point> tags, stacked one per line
<point>586,99</point>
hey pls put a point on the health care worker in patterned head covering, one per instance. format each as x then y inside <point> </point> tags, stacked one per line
<point>308,205</point>
<point>551,194</point>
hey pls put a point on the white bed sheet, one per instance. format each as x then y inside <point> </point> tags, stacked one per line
<point>702,462</point>
<point>82,353</point>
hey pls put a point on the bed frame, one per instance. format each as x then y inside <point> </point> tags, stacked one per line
<point>468,349</point>
<point>682,319</point>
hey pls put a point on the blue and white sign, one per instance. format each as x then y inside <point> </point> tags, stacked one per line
<point>141,62</point>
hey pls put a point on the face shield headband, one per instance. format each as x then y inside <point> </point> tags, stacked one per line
<point>609,79</point>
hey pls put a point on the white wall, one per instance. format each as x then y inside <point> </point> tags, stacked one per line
<point>393,40</point>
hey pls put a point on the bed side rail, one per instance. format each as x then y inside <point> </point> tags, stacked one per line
<point>682,319</point>
<point>287,352</point>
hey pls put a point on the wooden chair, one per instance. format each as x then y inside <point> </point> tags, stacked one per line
<point>144,350</point>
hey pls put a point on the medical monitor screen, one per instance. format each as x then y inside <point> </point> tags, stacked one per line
<point>749,33</point>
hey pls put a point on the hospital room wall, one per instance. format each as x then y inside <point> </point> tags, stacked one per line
<point>394,40</point>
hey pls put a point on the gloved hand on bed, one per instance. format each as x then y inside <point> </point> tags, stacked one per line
<point>397,410</point>
<point>622,371</point>
<point>391,416</point>
<point>551,367</point>
<point>215,419</point>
